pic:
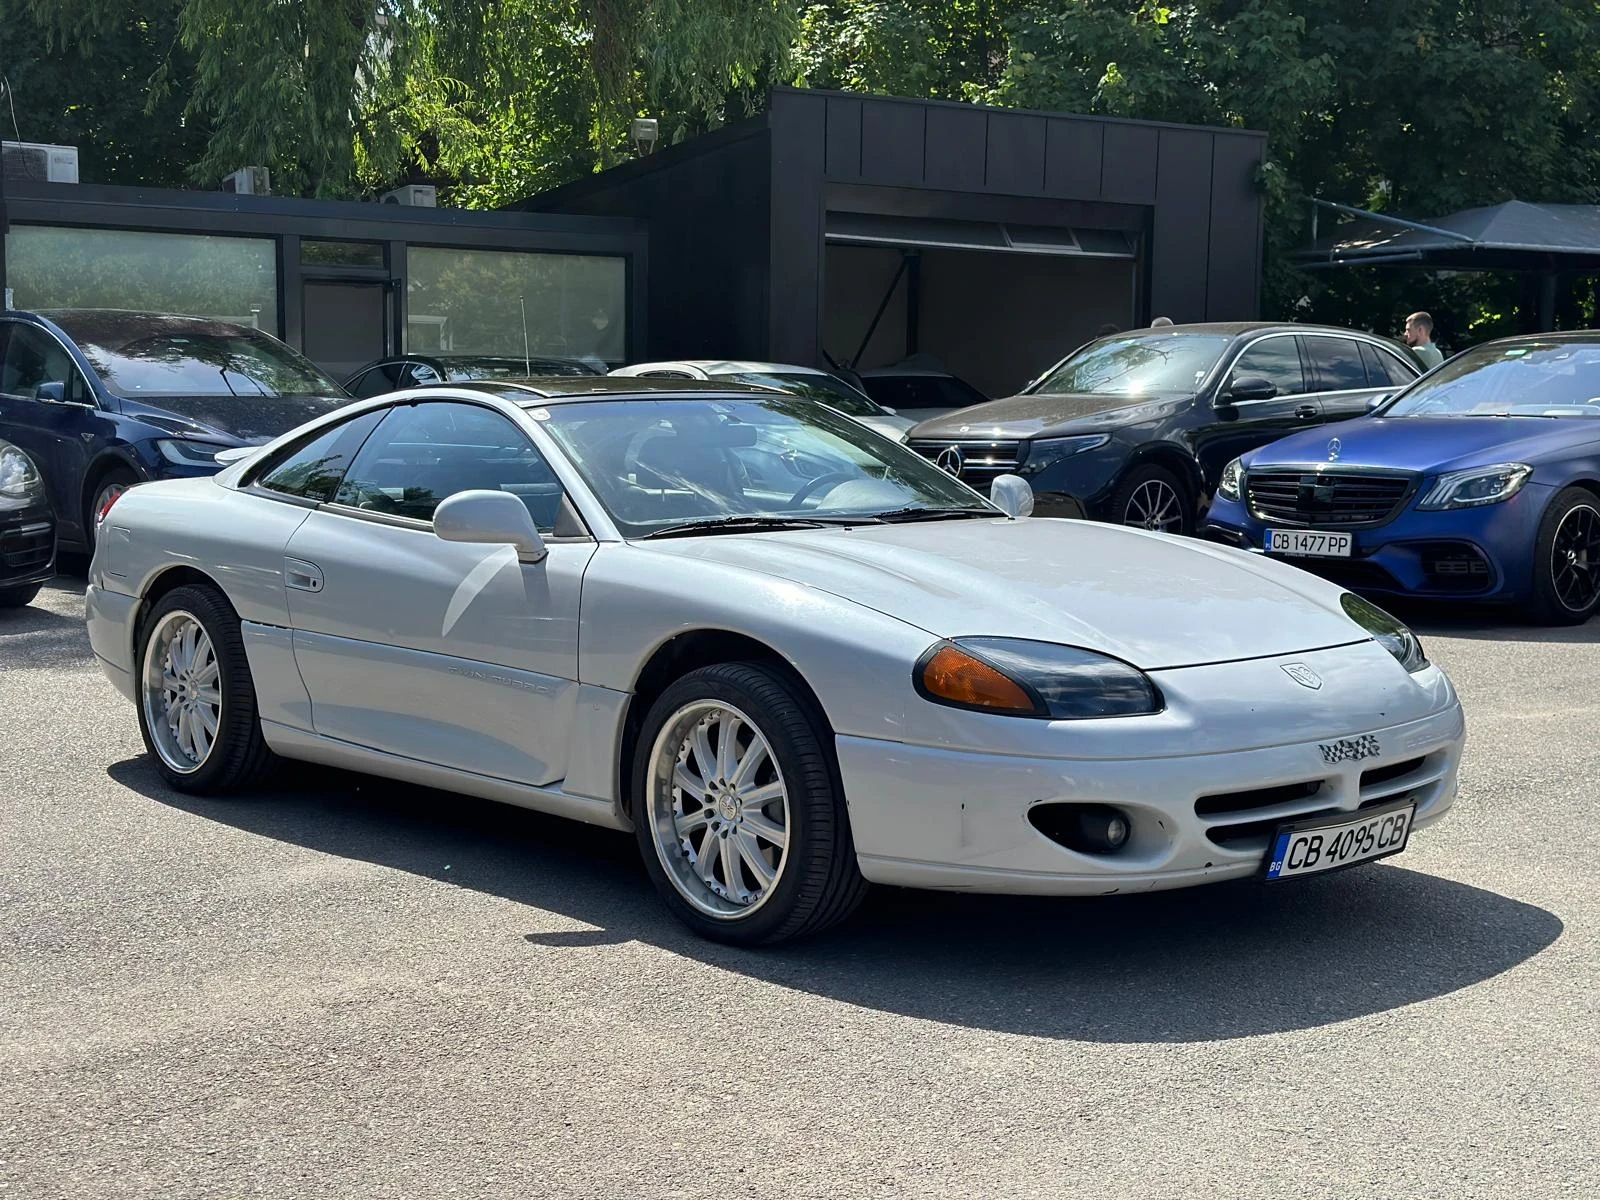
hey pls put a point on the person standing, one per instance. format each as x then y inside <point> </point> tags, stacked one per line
<point>1419,336</point>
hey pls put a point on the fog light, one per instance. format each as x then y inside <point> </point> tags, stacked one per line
<point>1086,828</point>
<point>1103,829</point>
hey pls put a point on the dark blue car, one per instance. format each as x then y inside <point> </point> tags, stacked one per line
<point>103,399</point>
<point>1481,480</point>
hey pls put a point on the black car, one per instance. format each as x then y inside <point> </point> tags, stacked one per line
<point>418,370</point>
<point>918,392</point>
<point>1139,425</point>
<point>27,529</point>
<point>101,399</point>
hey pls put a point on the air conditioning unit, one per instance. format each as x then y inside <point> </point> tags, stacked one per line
<point>249,181</point>
<point>37,162</point>
<point>417,195</point>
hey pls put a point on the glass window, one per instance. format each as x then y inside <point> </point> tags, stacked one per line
<point>1385,369</point>
<point>420,373</point>
<point>832,392</point>
<point>1275,359</point>
<point>1534,378</point>
<point>657,463</point>
<point>341,254</point>
<point>375,382</point>
<point>139,354</point>
<point>424,453</point>
<point>922,391</point>
<point>29,356</point>
<point>1137,365</point>
<point>508,303</point>
<point>230,278</point>
<point>1338,364</point>
<point>313,471</point>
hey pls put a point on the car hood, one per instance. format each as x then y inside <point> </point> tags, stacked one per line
<point>889,426</point>
<point>1047,414</point>
<point>1149,599</point>
<point>1428,444</point>
<point>247,420</point>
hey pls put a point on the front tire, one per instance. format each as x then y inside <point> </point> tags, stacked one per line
<point>1566,559</point>
<point>738,809</point>
<point>107,487</point>
<point>1152,497</point>
<point>197,702</point>
<point>19,597</point>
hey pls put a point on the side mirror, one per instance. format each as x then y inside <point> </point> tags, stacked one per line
<point>1252,387</point>
<point>1377,400</point>
<point>1012,495</point>
<point>490,518</point>
<point>889,410</point>
<point>54,392</point>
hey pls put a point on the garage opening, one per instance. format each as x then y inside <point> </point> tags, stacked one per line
<point>993,304</point>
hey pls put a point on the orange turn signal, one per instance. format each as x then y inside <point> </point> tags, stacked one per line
<point>954,676</point>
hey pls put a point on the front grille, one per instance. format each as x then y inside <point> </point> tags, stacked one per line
<point>26,548</point>
<point>1326,499</point>
<point>981,461</point>
<point>1235,819</point>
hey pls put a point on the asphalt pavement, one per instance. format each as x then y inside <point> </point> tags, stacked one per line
<point>347,987</point>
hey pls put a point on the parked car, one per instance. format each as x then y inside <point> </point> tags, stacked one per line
<point>1480,481</point>
<point>1139,425</point>
<point>102,399</point>
<point>919,392</point>
<point>413,370</point>
<point>27,529</point>
<point>785,377</point>
<point>620,606</point>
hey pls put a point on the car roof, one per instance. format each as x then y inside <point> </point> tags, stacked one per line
<point>559,388</point>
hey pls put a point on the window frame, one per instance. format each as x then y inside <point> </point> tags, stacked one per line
<point>1326,385</point>
<point>1232,372</point>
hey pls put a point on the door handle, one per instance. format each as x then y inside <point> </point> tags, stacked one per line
<point>301,575</point>
<point>1307,410</point>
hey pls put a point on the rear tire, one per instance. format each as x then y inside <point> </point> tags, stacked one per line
<point>19,597</point>
<point>1152,497</point>
<point>738,808</point>
<point>196,700</point>
<point>1566,560</point>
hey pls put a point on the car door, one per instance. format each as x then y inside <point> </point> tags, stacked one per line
<point>454,654</point>
<point>1339,370</point>
<point>1235,425</point>
<point>59,427</point>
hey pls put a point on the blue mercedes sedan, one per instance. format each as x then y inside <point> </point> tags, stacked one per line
<point>1479,481</point>
<point>102,399</point>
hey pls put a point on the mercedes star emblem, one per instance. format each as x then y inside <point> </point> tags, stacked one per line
<point>1302,674</point>
<point>1334,446</point>
<point>950,460</point>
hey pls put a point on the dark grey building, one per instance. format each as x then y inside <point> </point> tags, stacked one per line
<point>863,229</point>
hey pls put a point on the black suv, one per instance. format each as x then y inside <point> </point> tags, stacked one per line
<point>1138,426</point>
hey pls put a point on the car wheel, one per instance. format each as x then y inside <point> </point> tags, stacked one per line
<point>17,597</point>
<point>1152,497</point>
<point>197,702</point>
<point>108,488</point>
<point>738,808</point>
<point>1566,560</point>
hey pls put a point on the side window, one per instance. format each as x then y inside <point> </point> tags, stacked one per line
<point>1385,369</point>
<point>1338,364</point>
<point>377,381</point>
<point>29,357</point>
<point>423,453</point>
<point>313,471</point>
<point>419,373</point>
<point>1276,359</point>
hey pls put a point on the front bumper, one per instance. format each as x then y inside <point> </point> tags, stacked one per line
<point>27,545</point>
<point>948,818</point>
<point>110,616</point>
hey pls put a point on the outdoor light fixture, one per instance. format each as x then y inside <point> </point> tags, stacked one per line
<point>645,132</point>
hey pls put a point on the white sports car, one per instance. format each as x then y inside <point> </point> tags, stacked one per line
<point>792,656</point>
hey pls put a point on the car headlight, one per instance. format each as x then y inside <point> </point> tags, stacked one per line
<point>1034,679</point>
<point>184,453</point>
<point>1044,451</point>
<point>1389,633</point>
<point>1480,485</point>
<point>19,478</point>
<point>1232,481</point>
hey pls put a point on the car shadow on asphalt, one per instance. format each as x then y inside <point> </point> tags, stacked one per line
<point>1227,961</point>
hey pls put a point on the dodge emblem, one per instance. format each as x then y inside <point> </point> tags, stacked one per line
<point>1302,674</point>
<point>950,460</point>
<point>1334,446</point>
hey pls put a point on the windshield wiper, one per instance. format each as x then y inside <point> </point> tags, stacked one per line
<point>747,524</point>
<point>919,512</point>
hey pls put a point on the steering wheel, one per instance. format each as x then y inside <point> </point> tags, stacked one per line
<point>812,486</point>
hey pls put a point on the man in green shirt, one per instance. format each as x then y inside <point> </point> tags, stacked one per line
<point>1419,336</point>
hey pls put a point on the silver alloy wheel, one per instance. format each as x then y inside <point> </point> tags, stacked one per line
<point>1154,505</point>
<point>718,809</point>
<point>181,690</point>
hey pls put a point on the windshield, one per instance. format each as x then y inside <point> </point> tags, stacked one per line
<point>514,368</point>
<point>826,388</point>
<point>1137,365</point>
<point>1540,379</point>
<point>206,364</point>
<point>660,463</point>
